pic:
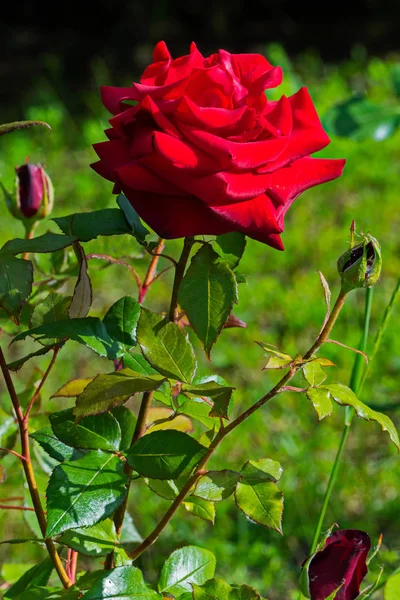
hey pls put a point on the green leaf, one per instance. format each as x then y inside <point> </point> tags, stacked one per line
<point>138,230</point>
<point>48,242</point>
<point>83,294</point>
<point>54,447</point>
<point>138,363</point>
<point>359,119</point>
<point>321,401</point>
<point>72,388</point>
<point>346,397</point>
<point>97,540</point>
<point>165,454</point>
<point>112,389</point>
<point>167,489</point>
<point>257,495</point>
<point>37,575</point>
<point>219,394</point>
<point>244,592</point>
<point>166,346</point>
<point>16,279</point>
<point>186,566</point>
<point>88,226</point>
<point>10,127</point>
<point>216,485</point>
<point>313,373</point>
<point>230,247</point>
<point>52,308</point>
<point>200,508</point>
<point>17,364</point>
<point>392,588</point>
<point>196,409</point>
<point>127,424</point>
<point>84,492</point>
<point>121,322</point>
<point>122,583</point>
<point>130,537</point>
<point>213,589</point>
<point>207,294</point>
<point>264,469</point>
<point>101,431</point>
<point>90,332</point>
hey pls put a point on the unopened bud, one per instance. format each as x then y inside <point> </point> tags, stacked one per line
<point>34,192</point>
<point>361,265</point>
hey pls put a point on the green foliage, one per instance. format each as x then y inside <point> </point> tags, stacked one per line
<point>165,454</point>
<point>97,540</point>
<point>216,485</point>
<point>101,431</point>
<point>257,495</point>
<point>346,397</point>
<point>121,321</point>
<point>123,583</point>
<point>88,226</point>
<point>207,294</point>
<point>89,331</point>
<point>392,588</point>
<point>16,278</point>
<point>219,394</point>
<point>321,401</point>
<point>84,492</point>
<point>360,119</point>
<point>49,242</point>
<point>230,247</point>
<point>185,567</point>
<point>55,447</point>
<point>166,347</point>
<point>110,390</point>
<point>37,575</point>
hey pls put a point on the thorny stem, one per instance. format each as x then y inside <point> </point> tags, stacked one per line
<point>179,273</point>
<point>117,261</point>
<point>354,385</point>
<point>29,473</point>
<point>12,507</point>
<point>138,433</point>
<point>222,433</point>
<point>41,384</point>
<point>149,277</point>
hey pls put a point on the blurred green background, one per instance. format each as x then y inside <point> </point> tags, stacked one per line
<point>282,303</point>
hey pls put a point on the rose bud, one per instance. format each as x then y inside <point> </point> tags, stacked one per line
<point>341,565</point>
<point>361,265</point>
<point>34,194</point>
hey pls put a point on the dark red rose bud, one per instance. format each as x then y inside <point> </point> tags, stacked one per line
<point>34,191</point>
<point>342,562</point>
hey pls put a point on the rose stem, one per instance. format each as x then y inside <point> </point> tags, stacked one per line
<point>29,473</point>
<point>148,280</point>
<point>354,385</point>
<point>144,406</point>
<point>222,433</point>
<point>179,273</point>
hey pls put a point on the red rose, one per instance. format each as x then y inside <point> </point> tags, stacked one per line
<point>203,151</point>
<point>343,559</point>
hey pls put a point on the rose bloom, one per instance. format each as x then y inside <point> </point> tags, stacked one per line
<point>197,147</point>
<point>343,559</point>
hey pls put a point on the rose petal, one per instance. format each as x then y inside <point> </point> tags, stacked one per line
<point>235,154</point>
<point>176,216</point>
<point>136,177</point>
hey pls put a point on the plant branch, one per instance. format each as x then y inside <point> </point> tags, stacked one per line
<point>222,433</point>
<point>13,452</point>
<point>116,261</point>
<point>138,433</point>
<point>41,384</point>
<point>29,473</point>
<point>148,280</point>
<point>354,385</point>
<point>12,507</point>
<point>179,273</point>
